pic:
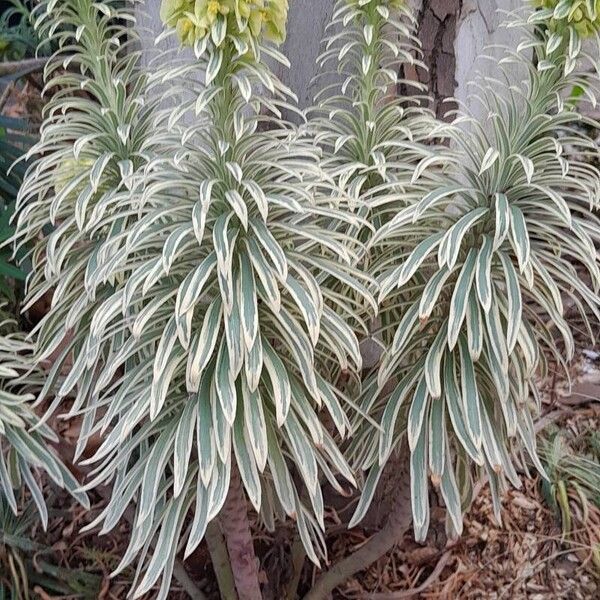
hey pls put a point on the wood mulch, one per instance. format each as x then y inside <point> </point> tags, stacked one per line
<point>524,557</point>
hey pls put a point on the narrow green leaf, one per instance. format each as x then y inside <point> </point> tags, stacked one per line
<point>503,219</point>
<point>437,440</point>
<point>203,345</point>
<point>484,273</point>
<point>366,496</point>
<point>470,393</point>
<point>248,302</point>
<point>255,423</point>
<point>460,298</point>
<point>515,303</point>
<point>419,485</point>
<point>417,412</point>
<point>520,236</point>
<point>224,384</point>
<point>280,383</point>
<point>456,411</point>
<point>184,437</point>
<point>433,362</point>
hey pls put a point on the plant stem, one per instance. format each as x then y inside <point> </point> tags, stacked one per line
<point>377,546</point>
<point>236,530</point>
<point>220,561</point>
<point>298,557</point>
<point>186,582</point>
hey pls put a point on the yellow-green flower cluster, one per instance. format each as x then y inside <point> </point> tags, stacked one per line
<point>582,15</point>
<point>196,19</point>
<point>67,171</point>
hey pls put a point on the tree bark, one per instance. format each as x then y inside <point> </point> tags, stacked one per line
<point>437,32</point>
<point>236,529</point>
<point>378,545</point>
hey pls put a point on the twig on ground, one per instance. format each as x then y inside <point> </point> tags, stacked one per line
<point>5,94</point>
<point>433,577</point>
<point>298,556</point>
<point>377,546</point>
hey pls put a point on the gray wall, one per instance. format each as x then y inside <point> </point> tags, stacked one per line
<point>476,26</point>
<point>480,31</point>
<point>306,29</point>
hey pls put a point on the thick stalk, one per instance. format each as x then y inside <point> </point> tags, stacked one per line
<point>239,570</point>
<point>380,544</point>
<point>220,561</point>
<point>298,557</point>
<point>236,530</point>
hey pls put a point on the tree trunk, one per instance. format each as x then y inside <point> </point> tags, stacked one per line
<point>480,31</point>
<point>378,545</point>
<point>236,529</point>
<point>437,32</point>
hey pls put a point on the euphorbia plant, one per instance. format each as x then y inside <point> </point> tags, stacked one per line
<point>204,342</point>
<point>474,277</point>
<point>375,143</point>
<point>492,257</point>
<point>381,153</point>
<point>24,440</point>
<point>92,141</point>
<point>204,283</point>
<point>373,140</point>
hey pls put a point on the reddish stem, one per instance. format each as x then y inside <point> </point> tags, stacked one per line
<point>238,537</point>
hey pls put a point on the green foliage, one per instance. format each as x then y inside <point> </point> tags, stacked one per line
<point>25,563</point>
<point>17,40</point>
<point>372,139</point>
<point>212,21</point>
<point>14,140</point>
<point>24,439</point>
<point>569,467</point>
<point>471,270</point>
<point>205,260</point>
<point>187,266</point>
<point>9,272</point>
<point>96,149</point>
<point>17,36</point>
<point>581,16</point>
<point>572,489</point>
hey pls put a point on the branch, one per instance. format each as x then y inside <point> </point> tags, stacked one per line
<point>220,560</point>
<point>186,582</point>
<point>435,574</point>
<point>377,546</point>
<point>298,556</point>
<point>22,67</point>
<point>238,537</point>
